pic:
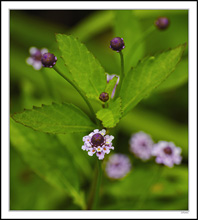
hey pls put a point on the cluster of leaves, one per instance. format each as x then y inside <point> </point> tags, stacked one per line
<point>52,156</point>
<point>90,77</point>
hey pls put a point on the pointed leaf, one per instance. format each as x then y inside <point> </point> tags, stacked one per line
<point>85,69</point>
<point>56,118</point>
<point>48,158</point>
<point>178,78</point>
<point>147,75</point>
<point>110,116</point>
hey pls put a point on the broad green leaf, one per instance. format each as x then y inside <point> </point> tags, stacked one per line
<point>177,78</point>
<point>127,26</point>
<point>48,158</point>
<point>56,118</point>
<point>23,179</point>
<point>110,116</point>
<point>85,69</point>
<point>110,85</point>
<point>147,75</point>
<point>73,143</point>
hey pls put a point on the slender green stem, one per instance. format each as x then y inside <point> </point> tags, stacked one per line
<point>79,91</point>
<point>48,84</point>
<point>95,188</point>
<point>96,198</point>
<point>121,74</point>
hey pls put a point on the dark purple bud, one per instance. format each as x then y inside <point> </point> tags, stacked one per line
<point>97,140</point>
<point>117,44</point>
<point>168,150</point>
<point>104,97</point>
<point>48,60</point>
<point>162,23</point>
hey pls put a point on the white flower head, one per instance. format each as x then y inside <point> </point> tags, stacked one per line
<point>141,145</point>
<point>167,153</point>
<point>118,166</point>
<point>35,57</point>
<point>98,142</point>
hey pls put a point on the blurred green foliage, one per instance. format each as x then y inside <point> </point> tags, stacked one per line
<point>163,114</point>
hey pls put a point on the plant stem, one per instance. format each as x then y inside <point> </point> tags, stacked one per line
<point>80,92</point>
<point>121,74</point>
<point>48,83</point>
<point>95,188</point>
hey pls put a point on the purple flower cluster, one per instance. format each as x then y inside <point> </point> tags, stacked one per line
<point>99,143</point>
<point>165,152</point>
<point>35,57</point>
<point>118,166</point>
<point>110,77</point>
<point>141,145</point>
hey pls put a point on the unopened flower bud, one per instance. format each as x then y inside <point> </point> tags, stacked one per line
<point>48,60</point>
<point>162,23</point>
<point>117,44</point>
<point>104,97</point>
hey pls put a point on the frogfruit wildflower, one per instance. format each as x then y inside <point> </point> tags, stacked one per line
<point>118,166</point>
<point>98,142</point>
<point>141,145</point>
<point>35,57</point>
<point>110,77</point>
<point>167,153</point>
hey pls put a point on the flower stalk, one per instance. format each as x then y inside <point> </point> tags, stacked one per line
<point>80,92</point>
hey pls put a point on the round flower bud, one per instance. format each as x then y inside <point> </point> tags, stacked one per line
<point>162,23</point>
<point>117,44</point>
<point>104,97</point>
<point>97,140</point>
<point>48,60</point>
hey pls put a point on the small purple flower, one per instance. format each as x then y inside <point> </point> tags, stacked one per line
<point>99,143</point>
<point>117,44</point>
<point>118,166</point>
<point>167,153</point>
<point>162,23</point>
<point>35,57</point>
<point>110,77</point>
<point>48,60</point>
<point>141,145</point>
<point>104,97</point>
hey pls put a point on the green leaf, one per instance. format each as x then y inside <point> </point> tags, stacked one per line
<point>48,158</point>
<point>177,78</point>
<point>85,69</point>
<point>110,85</point>
<point>56,118</point>
<point>147,75</point>
<point>110,116</point>
<point>128,27</point>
